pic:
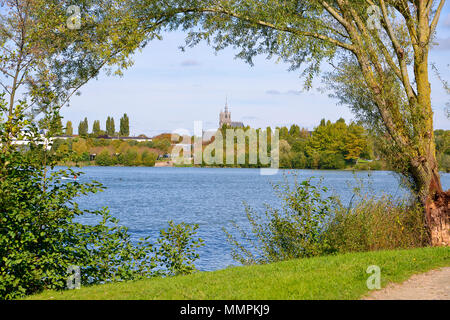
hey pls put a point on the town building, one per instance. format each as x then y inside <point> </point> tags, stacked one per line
<point>225,118</point>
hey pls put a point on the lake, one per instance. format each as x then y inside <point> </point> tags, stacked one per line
<point>144,199</point>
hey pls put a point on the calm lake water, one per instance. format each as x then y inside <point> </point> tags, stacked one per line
<point>144,199</point>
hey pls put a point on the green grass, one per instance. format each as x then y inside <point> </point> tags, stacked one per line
<point>330,277</point>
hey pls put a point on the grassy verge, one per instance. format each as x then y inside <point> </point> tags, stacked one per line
<point>330,277</point>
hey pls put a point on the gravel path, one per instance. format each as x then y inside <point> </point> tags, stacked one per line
<point>433,285</point>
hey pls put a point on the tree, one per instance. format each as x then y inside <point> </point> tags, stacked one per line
<point>69,128</point>
<point>96,128</point>
<point>83,128</point>
<point>124,126</point>
<point>108,124</point>
<point>112,132</point>
<point>56,126</point>
<point>110,127</point>
<point>386,42</point>
<point>104,158</point>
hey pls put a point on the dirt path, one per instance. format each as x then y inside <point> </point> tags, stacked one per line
<point>433,285</point>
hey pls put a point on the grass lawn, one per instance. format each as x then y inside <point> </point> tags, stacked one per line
<point>330,277</point>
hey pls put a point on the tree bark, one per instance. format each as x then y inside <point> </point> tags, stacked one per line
<point>435,201</point>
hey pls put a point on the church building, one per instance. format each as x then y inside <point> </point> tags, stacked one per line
<point>225,118</point>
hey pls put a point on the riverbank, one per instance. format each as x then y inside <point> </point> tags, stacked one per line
<point>330,277</point>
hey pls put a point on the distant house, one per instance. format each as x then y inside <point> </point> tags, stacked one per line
<point>138,139</point>
<point>41,140</point>
<point>63,137</point>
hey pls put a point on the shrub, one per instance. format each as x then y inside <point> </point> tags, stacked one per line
<point>376,165</point>
<point>377,224</point>
<point>104,158</point>
<point>149,158</point>
<point>293,231</point>
<point>176,248</point>
<point>40,237</point>
<point>309,223</point>
<point>331,161</point>
<point>364,166</point>
<point>128,158</point>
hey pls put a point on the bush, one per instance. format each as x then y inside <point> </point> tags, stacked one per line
<point>377,224</point>
<point>293,231</point>
<point>149,159</point>
<point>40,238</point>
<point>331,161</point>
<point>104,159</point>
<point>376,165</point>
<point>363,166</point>
<point>309,223</point>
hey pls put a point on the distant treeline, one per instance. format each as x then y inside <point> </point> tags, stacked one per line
<point>337,146</point>
<point>106,152</point>
<point>331,145</point>
<point>57,128</point>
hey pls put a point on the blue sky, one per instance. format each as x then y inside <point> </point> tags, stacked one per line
<point>168,89</point>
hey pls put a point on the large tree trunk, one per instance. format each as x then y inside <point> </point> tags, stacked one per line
<point>424,165</point>
<point>435,201</point>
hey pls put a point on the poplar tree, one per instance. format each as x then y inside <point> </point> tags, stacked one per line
<point>69,128</point>
<point>96,128</point>
<point>124,126</point>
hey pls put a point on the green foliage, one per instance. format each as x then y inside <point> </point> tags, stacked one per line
<point>40,236</point>
<point>310,223</point>
<point>83,128</point>
<point>296,230</point>
<point>110,126</point>
<point>176,248</point>
<point>96,128</point>
<point>149,159</point>
<point>377,224</point>
<point>162,144</point>
<point>54,125</point>
<point>104,159</point>
<point>69,129</point>
<point>124,126</point>
<point>330,146</point>
<point>329,160</point>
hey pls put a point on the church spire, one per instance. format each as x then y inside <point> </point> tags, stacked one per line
<point>226,104</point>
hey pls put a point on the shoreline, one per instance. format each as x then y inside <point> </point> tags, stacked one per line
<point>218,167</point>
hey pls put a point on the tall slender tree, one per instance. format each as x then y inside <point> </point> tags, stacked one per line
<point>108,124</point>
<point>124,126</point>
<point>112,131</point>
<point>96,128</point>
<point>110,127</point>
<point>69,128</point>
<point>83,128</point>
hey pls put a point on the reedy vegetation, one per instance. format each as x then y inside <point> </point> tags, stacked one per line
<point>311,222</point>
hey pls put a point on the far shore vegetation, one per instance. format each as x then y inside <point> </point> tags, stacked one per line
<point>330,145</point>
